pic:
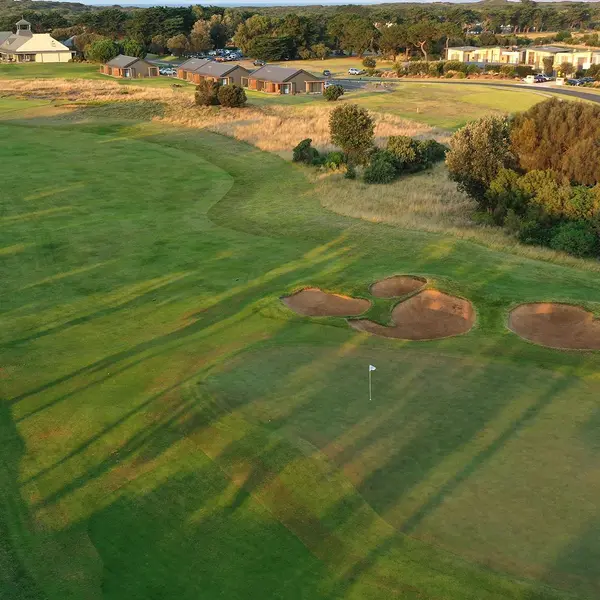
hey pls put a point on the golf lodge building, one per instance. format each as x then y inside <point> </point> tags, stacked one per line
<point>25,46</point>
<point>283,80</point>
<point>129,66</point>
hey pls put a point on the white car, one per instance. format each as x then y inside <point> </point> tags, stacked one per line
<point>354,71</point>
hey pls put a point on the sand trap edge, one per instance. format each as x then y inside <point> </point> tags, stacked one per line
<point>424,281</point>
<point>284,300</point>
<point>540,345</point>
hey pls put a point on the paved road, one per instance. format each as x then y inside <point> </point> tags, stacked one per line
<point>357,84</point>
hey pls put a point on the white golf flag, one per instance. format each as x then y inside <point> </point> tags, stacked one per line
<point>372,368</point>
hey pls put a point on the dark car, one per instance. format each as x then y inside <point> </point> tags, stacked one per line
<point>574,82</point>
<point>326,73</point>
<point>259,63</point>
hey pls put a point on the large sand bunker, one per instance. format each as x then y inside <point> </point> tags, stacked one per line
<point>428,315</point>
<point>313,302</point>
<point>399,285</point>
<point>562,326</point>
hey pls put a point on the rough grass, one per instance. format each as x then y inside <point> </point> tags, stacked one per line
<point>169,429</point>
<point>276,128</point>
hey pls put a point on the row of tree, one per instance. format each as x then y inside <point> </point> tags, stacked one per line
<point>537,174</point>
<point>275,33</point>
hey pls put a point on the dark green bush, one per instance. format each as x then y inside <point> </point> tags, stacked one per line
<point>436,69</point>
<point>432,151</point>
<point>231,96</point>
<point>207,93</point>
<point>575,237</point>
<point>523,70</point>
<point>350,172</point>
<point>333,92</point>
<point>473,70</point>
<point>418,67</point>
<point>305,153</point>
<point>381,168</point>
<point>369,62</point>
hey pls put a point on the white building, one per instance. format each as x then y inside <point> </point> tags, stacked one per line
<point>25,46</point>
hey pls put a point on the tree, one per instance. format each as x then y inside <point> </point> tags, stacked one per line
<point>231,96</point>
<point>268,48</point>
<point>134,48</point>
<point>200,38</point>
<point>394,39</point>
<point>102,51</point>
<point>255,26</point>
<point>320,51</point>
<point>422,35</point>
<point>333,92</point>
<point>566,68</point>
<point>158,44</point>
<point>207,93</point>
<point>548,65</point>
<point>178,44</point>
<point>561,136</point>
<point>477,153</point>
<point>351,128</point>
<point>219,34</point>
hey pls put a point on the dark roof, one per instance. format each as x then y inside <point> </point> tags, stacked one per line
<point>122,61</point>
<point>4,35</point>
<point>279,74</point>
<point>215,69</point>
<point>192,64</point>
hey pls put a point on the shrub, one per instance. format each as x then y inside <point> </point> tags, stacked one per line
<point>436,69</point>
<point>418,67</point>
<point>454,65</point>
<point>523,70</point>
<point>305,153</point>
<point>508,70</point>
<point>381,169</point>
<point>334,160</point>
<point>369,62</point>
<point>351,129</point>
<point>473,70</point>
<point>433,151</point>
<point>350,172</point>
<point>404,152</point>
<point>231,96</point>
<point>207,93</point>
<point>461,75</point>
<point>492,68</point>
<point>505,194</point>
<point>575,237</point>
<point>477,153</point>
<point>333,92</point>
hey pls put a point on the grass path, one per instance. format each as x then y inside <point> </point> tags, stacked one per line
<point>171,430</point>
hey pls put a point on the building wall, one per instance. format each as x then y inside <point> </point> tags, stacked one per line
<point>53,57</point>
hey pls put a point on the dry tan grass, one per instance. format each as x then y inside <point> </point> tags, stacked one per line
<point>274,128</point>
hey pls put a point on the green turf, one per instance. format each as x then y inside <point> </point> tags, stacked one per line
<point>42,70</point>
<point>446,105</point>
<point>169,430</point>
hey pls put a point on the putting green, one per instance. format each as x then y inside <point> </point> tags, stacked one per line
<point>169,429</point>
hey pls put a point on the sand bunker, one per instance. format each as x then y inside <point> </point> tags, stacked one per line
<point>396,286</point>
<point>313,302</point>
<point>562,326</point>
<point>429,315</point>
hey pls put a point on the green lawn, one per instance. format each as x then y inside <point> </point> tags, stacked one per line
<point>446,105</point>
<point>337,65</point>
<point>50,70</point>
<point>169,430</point>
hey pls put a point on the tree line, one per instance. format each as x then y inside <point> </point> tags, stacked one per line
<point>276,33</point>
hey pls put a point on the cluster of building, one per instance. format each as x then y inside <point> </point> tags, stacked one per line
<point>26,46</point>
<point>269,78</point>
<point>534,56</point>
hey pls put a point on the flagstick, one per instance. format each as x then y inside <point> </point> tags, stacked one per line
<point>370,397</point>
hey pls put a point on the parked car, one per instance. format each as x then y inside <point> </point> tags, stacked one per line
<point>326,73</point>
<point>259,63</point>
<point>329,84</point>
<point>575,82</point>
<point>354,71</point>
